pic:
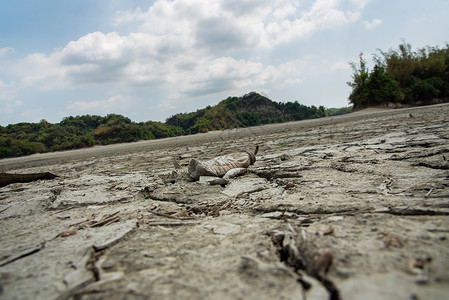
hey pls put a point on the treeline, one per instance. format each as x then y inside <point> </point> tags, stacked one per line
<point>76,132</point>
<point>89,130</point>
<point>402,77</point>
<point>249,110</point>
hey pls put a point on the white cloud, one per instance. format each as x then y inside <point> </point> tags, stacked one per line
<point>94,47</point>
<point>186,48</point>
<point>340,65</point>
<point>166,106</point>
<point>42,70</point>
<point>4,51</point>
<point>103,106</point>
<point>33,115</point>
<point>213,75</point>
<point>374,23</point>
<point>128,16</point>
<point>9,101</point>
<point>231,25</point>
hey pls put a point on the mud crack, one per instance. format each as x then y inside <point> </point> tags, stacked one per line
<point>302,256</point>
<point>92,256</point>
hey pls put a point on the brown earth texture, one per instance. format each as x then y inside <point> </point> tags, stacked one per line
<point>348,207</point>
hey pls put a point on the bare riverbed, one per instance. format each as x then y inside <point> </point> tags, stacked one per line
<point>348,207</point>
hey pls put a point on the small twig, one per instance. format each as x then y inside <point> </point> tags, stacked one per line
<point>109,216</point>
<point>3,209</point>
<point>171,223</point>
<point>92,220</point>
<point>59,211</point>
<point>116,219</point>
<point>176,164</point>
<point>439,196</point>
<point>106,221</point>
<point>216,213</point>
<point>22,254</point>
<point>292,229</point>
<point>163,228</point>
<point>170,216</point>
<point>113,186</point>
<point>329,230</point>
<point>226,205</point>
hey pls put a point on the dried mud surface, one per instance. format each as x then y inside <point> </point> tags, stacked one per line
<point>350,207</point>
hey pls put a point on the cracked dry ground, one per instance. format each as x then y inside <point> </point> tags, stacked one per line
<point>351,207</point>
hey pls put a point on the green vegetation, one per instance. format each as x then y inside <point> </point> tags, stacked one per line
<point>402,77</point>
<point>76,132</point>
<point>249,110</point>
<point>89,130</point>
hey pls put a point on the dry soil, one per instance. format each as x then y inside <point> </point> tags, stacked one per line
<point>349,207</point>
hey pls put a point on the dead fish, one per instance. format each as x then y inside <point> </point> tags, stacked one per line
<point>221,165</point>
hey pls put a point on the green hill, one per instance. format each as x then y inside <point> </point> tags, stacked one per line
<point>249,110</point>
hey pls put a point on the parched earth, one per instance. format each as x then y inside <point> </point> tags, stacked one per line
<point>350,207</point>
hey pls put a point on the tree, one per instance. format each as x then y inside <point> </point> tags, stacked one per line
<point>427,89</point>
<point>321,112</point>
<point>359,94</point>
<point>382,87</point>
<point>402,75</point>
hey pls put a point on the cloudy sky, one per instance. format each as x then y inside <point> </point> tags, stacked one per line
<point>148,60</point>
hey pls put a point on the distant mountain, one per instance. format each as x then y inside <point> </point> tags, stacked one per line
<point>249,110</point>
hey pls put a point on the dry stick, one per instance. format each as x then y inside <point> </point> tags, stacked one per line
<point>292,229</point>
<point>439,196</point>
<point>3,209</point>
<point>226,205</point>
<point>116,219</point>
<point>108,216</point>
<point>103,220</point>
<point>81,222</point>
<point>59,211</point>
<point>22,254</point>
<point>176,164</point>
<point>170,216</point>
<point>171,223</point>
<point>106,221</point>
